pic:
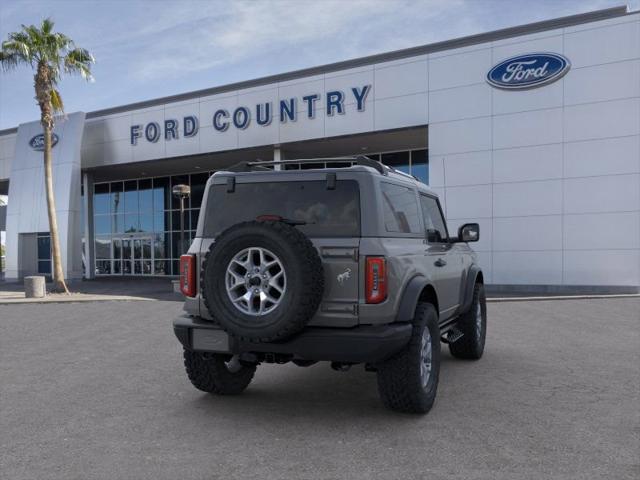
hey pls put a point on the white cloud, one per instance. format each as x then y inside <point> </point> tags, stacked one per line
<point>194,37</point>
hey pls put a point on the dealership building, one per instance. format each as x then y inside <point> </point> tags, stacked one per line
<point>531,131</point>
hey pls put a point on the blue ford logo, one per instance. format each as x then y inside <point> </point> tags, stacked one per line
<point>37,142</point>
<point>528,71</point>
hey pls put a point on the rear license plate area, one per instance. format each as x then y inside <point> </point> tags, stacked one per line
<point>210,340</point>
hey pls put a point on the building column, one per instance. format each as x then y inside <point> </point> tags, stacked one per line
<point>277,156</point>
<point>89,254</point>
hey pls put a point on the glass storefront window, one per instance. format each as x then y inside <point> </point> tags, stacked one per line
<point>161,194</point>
<point>117,198</point>
<point>131,203</point>
<point>146,222</point>
<point>103,267</point>
<point>143,212</point>
<point>160,242</point>
<point>176,251</point>
<point>102,224</point>
<point>194,218</point>
<point>131,223</point>
<point>145,195</point>
<point>117,223</point>
<point>44,247</point>
<point>397,160</point>
<point>117,248</point>
<point>198,182</point>
<point>103,247</point>
<point>101,198</point>
<point>44,253</point>
<point>160,222</point>
<point>175,220</point>
<point>161,267</point>
<point>44,266</point>
<point>420,165</point>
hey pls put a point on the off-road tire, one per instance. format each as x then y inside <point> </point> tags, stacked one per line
<point>210,373</point>
<point>303,269</point>
<point>399,378</point>
<point>471,345</point>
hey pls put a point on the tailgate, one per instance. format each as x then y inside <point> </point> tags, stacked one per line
<point>340,262</point>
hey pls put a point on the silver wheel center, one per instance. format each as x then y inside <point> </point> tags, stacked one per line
<point>255,281</point>
<point>425,357</point>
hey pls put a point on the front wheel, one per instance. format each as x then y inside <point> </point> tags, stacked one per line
<point>220,374</point>
<point>473,325</point>
<point>408,381</point>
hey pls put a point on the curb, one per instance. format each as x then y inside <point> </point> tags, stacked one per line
<point>22,301</point>
<point>560,297</point>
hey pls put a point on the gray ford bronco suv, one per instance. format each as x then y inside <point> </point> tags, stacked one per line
<point>347,263</point>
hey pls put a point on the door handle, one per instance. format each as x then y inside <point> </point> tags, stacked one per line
<point>440,262</point>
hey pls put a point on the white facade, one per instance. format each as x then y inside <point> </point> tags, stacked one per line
<point>552,174</point>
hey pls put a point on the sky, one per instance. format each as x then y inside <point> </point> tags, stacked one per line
<point>150,49</point>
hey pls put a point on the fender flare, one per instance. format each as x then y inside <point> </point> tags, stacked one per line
<point>409,300</point>
<point>472,276</point>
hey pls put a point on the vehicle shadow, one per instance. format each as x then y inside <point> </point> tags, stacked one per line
<point>307,395</point>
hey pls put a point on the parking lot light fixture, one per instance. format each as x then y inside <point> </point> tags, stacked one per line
<point>182,192</point>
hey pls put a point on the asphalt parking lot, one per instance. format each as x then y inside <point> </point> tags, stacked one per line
<point>97,390</point>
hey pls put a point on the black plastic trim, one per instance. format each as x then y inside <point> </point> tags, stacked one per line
<point>410,297</point>
<point>465,305</point>
<point>362,344</point>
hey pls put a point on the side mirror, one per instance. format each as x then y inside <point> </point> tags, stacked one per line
<point>469,232</point>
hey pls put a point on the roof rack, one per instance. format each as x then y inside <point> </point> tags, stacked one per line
<point>357,160</point>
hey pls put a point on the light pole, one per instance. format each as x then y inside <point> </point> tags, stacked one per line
<point>182,192</point>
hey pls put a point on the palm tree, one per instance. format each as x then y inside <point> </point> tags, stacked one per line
<point>49,54</point>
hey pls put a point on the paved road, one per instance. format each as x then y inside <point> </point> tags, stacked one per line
<point>97,391</point>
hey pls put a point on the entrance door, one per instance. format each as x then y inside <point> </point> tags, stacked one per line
<point>142,261</point>
<point>133,256</point>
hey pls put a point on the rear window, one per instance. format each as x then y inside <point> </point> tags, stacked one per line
<point>327,213</point>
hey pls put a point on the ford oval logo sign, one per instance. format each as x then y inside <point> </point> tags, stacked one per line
<point>528,71</point>
<point>37,142</point>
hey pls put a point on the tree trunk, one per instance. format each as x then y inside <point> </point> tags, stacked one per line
<point>59,284</point>
<point>43,86</point>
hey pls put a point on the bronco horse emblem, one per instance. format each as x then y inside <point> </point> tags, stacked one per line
<point>342,277</point>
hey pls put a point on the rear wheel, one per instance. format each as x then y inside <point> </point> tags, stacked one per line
<point>408,381</point>
<point>473,326</point>
<point>220,374</point>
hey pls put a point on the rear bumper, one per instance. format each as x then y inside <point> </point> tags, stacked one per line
<point>366,343</point>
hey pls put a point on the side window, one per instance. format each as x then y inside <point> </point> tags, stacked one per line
<point>400,209</point>
<point>433,221</point>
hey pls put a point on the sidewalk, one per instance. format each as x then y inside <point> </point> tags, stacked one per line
<point>141,289</point>
<point>103,289</point>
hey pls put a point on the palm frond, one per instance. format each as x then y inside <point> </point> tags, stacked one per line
<point>19,47</point>
<point>9,61</point>
<point>63,42</point>
<point>79,61</point>
<point>56,101</point>
<point>47,26</point>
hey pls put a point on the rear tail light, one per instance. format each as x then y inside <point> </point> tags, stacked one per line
<point>376,280</point>
<point>188,275</point>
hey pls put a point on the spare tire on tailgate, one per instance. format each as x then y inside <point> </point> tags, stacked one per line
<point>262,281</point>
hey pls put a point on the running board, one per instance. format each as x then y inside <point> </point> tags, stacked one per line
<point>452,336</point>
